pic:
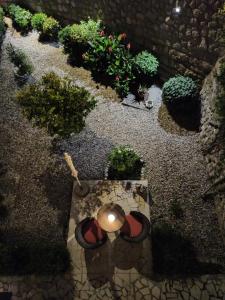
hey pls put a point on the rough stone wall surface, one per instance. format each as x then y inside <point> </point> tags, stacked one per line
<point>212,139</point>
<point>186,43</point>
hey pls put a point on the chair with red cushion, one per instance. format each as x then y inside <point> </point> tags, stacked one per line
<point>89,234</point>
<point>136,228</point>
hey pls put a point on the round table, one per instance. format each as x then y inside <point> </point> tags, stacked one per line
<point>111,217</point>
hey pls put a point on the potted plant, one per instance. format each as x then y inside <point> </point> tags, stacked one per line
<point>123,164</point>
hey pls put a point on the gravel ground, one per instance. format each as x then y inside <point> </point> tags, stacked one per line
<point>175,166</point>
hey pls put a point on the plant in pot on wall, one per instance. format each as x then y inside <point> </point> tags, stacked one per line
<point>123,164</point>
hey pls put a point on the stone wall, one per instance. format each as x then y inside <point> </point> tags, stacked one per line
<point>212,138</point>
<point>187,43</point>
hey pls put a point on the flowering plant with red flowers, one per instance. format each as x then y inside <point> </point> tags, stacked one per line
<point>110,55</point>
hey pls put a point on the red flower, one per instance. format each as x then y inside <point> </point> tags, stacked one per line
<point>102,33</point>
<point>110,49</point>
<point>110,37</point>
<point>122,36</point>
<point>128,46</point>
<point>117,78</point>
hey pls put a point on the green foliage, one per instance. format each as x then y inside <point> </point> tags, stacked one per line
<point>37,259</point>
<point>2,25</point>
<point>38,20</point>
<point>12,10</point>
<point>79,34</point>
<point>176,209</point>
<point>147,63</point>
<point>50,28</point>
<point>20,16</point>
<point>123,159</point>
<point>20,60</point>
<point>56,104</point>
<point>179,89</point>
<point>1,13</point>
<point>109,54</point>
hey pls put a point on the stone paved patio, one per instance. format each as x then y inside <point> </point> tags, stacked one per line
<point>112,270</point>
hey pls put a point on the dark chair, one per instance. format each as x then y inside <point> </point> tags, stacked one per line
<point>89,234</point>
<point>136,227</point>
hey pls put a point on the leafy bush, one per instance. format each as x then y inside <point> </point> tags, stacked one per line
<point>38,20</point>
<point>81,33</point>
<point>20,16</point>
<point>12,10</point>
<point>147,63</point>
<point>123,159</point>
<point>1,13</point>
<point>110,54</point>
<point>179,89</point>
<point>20,60</point>
<point>50,29</point>
<point>2,25</point>
<point>34,259</point>
<point>56,104</point>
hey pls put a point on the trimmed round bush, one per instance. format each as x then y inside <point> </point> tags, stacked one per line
<point>179,89</point>
<point>20,16</point>
<point>38,20</point>
<point>56,104</point>
<point>147,63</point>
<point>51,28</point>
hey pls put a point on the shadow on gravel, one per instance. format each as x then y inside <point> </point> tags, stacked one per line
<point>175,256</point>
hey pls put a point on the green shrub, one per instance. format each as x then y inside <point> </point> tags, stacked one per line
<point>123,159</point>
<point>147,63</point>
<point>1,13</point>
<point>79,33</point>
<point>12,10</point>
<point>37,259</point>
<point>20,16</point>
<point>2,25</point>
<point>56,104</point>
<point>20,60</point>
<point>38,20</point>
<point>111,55</point>
<point>50,29</point>
<point>179,89</point>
